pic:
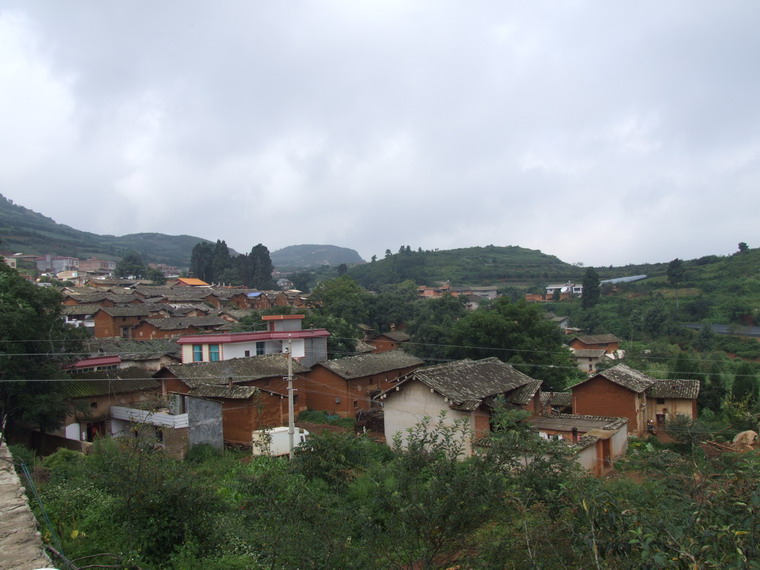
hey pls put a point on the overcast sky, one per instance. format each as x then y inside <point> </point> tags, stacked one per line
<point>601,132</point>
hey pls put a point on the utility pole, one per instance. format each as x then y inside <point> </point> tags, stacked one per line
<point>291,419</point>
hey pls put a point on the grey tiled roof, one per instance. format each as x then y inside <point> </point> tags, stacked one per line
<point>130,349</point>
<point>181,323</point>
<point>685,389</point>
<point>397,336</point>
<point>589,353</point>
<point>225,392</point>
<point>466,383</point>
<point>562,399</point>
<point>628,378</point>
<point>114,381</point>
<point>524,394</point>
<point>566,422</point>
<point>239,369</point>
<point>597,339</point>
<point>129,311</point>
<point>84,309</point>
<point>369,364</point>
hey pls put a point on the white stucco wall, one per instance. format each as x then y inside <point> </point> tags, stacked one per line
<point>408,406</point>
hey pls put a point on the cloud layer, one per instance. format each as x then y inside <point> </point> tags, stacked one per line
<point>607,133</point>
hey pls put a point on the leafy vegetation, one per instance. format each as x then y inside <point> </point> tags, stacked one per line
<point>34,343</point>
<point>348,502</point>
<point>481,265</point>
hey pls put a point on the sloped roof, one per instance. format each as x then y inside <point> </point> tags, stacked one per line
<point>597,338</point>
<point>239,369</point>
<point>82,309</point>
<point>584,423</point>
<point>562,399</point>
<point>685,389</point>
<point>397,336</point>
<point>224,391</point>
<point>589,353</point>
<point>115,381</point>
<point>130,311</point>
<point>525,393</point>
<point>372,363</point>
<point>182,323</point>
<point>626,377</point>
<point>130,349</point>
<point>193,282</point>
<point>466,383</point>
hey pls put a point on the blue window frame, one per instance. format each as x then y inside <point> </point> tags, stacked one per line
<point>213,352</point>
<point>197,353</point>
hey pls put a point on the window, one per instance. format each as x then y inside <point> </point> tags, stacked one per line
<point>248,353</point>
<point>213,352</point>
<point>660,401</point>
<point>197,353</point>
<point>259,348</point>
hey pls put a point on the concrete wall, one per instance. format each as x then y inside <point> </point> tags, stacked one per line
<point>205,422</point>
<point>408,406</point>
<point>670,408</point>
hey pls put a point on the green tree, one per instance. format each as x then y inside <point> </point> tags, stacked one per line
<point>743,247</point>
<point>34,344</point>
<point>393,305</point>
<point>591,289</point>
<point>432,325</point>
<point>341,297</point>
<point>745,387</point>
<point>519,334</point>
<point>131,265</point>
<point>261,268</point>
<point>676,272</point>
<point>201,262</point>
<point>156,276</point>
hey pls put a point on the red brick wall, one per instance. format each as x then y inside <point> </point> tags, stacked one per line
<point>600,397</point>
<point>108,326</point>
<point>322,387</point>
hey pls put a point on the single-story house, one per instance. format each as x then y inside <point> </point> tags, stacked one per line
<point>465,390</point>
<point>343,386</point>
<point>597,441</point>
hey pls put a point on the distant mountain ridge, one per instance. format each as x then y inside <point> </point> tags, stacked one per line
<point>26,231</point>
<point>314,255</point>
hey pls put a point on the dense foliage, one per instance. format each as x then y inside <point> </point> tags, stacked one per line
<point>348,502</point>
<point>215,264</point>
<point>34,343</point>
<point>474,265</point>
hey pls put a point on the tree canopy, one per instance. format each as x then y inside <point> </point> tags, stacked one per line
<point>34,343</point>
<point>516,333</point>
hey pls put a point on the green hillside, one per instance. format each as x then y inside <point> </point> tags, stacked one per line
<point>312,255</point>
<point>510,265</point>
<point>23,230</point>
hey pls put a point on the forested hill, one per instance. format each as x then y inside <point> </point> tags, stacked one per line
<point>472,265</point>
<point>23,230</point>
<point>312,255</point>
